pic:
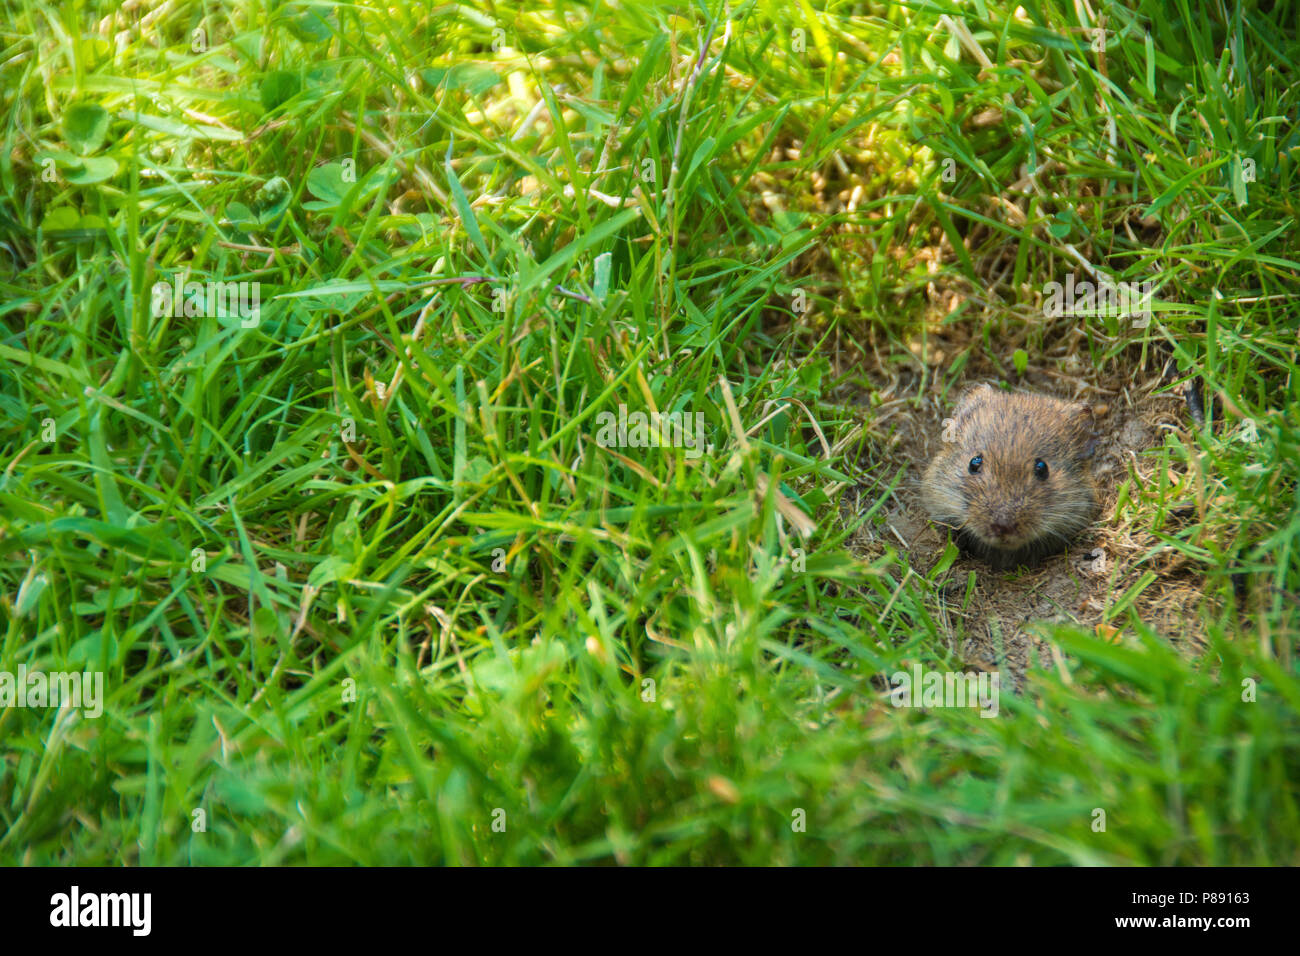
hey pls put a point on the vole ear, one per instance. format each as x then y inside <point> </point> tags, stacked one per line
<point>1081,411</point>
<point>1081,414</point>
<point>972,395</point>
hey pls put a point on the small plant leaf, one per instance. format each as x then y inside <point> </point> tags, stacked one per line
<point>93,169</point>
<point>470,77</point>
<point>85,127</point>
<point>601,285</point>
<point>240,215</point>
<point>278,87</point>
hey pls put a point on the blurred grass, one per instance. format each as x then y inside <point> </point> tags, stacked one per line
<point>450,619</point>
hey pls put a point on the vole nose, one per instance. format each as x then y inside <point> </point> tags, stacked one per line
<point>1002,525</point>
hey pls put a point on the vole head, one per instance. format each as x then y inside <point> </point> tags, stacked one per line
<point>1014,471</point>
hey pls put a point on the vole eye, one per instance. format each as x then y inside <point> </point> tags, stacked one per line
<point>975,464</point>
<point>1040,469</point>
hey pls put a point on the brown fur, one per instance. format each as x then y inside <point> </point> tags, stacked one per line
<point>1005,513</point>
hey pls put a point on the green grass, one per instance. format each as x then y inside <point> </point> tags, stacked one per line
<point>371,651</point>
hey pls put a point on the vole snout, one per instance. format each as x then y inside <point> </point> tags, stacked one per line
<point>1003,524</point>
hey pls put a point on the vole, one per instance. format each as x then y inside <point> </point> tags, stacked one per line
<point>1013,478</point>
